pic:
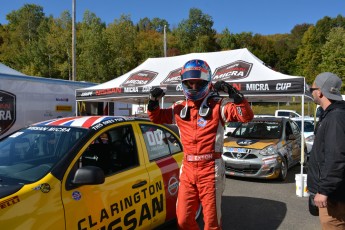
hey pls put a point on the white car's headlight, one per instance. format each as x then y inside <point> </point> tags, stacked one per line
<point>269,150</point>
<point>310,138</point>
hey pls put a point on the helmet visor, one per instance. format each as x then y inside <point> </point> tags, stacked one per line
<point>195,74</point>
<point>196,85</point>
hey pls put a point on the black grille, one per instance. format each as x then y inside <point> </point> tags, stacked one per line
<point>246,169</point>
<point>235,155</point>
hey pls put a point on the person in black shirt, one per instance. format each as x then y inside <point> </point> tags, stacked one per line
<point>326,170</point>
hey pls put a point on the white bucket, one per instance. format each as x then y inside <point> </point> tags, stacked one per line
<point>300,185</point>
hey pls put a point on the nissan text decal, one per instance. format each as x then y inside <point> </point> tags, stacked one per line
<point>173,77</point>
<point>7,111</point>
<point>233,71</point>
<point>142,77</point>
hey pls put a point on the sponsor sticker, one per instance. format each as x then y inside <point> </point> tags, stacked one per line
<point>140,78</point>
<point>202,122</point>
<point>246,142</point>
<point>63,108</point>
<point>8,202</point>
<point>237,150</point>
<point>62,99</point>
<point>173,186</point>
<point>76,195</point>
<point>233,71</point>
<point>45,188</point>
<point>270,160</point>
<point>7,111</point>
<point>173,77</point>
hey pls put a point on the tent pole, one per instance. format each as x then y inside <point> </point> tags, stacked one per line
<point>76,108</point>
<point>162,102</point>
<point>302,147</point>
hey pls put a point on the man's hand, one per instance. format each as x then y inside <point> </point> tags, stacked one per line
<point>320,200</point>
<point>227,88</point>
<point>156,94</point>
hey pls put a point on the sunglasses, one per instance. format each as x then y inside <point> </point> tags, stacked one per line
<point>311,90</point>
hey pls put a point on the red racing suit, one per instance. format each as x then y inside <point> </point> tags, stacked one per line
<point>202,174</point>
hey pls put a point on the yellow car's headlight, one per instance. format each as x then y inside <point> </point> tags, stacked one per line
<point>269,150</point>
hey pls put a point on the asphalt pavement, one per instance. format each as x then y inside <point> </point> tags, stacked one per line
<point>250,204</point>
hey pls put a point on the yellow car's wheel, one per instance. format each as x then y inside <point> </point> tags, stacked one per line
<point>283,170</point>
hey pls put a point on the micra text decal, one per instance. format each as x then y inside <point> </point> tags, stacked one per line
<point>135,214</point>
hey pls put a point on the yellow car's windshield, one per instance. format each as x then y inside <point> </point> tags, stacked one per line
<point>28,154</point>
<point>259,130</point>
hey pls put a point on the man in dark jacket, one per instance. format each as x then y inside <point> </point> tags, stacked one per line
<point>326,172</point>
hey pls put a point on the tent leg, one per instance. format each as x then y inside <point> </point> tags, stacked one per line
<point>162,105</point>
<point>302,147</point>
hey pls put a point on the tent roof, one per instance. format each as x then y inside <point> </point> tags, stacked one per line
<point>239,67</point>
<point>4,69</point>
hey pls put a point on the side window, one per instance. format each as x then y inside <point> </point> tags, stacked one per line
<point>113,151</point>
<point>295,128</point>
<point>159,142</point>
<point>288,130</point>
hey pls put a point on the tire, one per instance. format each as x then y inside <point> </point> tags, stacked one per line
<point>283,170</point>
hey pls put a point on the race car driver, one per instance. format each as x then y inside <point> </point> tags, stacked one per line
<point>200,118</point>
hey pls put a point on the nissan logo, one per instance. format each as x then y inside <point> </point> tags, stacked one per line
<point>239,155</point>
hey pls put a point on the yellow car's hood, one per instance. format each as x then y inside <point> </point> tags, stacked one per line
<point>249,143</point>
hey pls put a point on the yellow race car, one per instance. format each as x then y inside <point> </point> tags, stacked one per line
<point>265,147</point>
<point>95,172</point>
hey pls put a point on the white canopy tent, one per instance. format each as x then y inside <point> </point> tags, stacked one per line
<point>240,68</point>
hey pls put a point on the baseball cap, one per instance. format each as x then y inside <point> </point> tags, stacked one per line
<point>330,85</point>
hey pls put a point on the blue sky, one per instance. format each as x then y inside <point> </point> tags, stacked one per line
<point>256,16</point>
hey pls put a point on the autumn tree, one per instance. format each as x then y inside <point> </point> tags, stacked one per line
<point>22,37</point>
<point>121,37</point>
<point>196,33</point>
<point>93,56</point>
<point>333,53</point>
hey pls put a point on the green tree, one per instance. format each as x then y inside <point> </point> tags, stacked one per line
<point>243,40</point>
<point>149,44</point>
<point>309,54</point>
<point>225,40</point>
<point>263,48</point>
<point>144,24</point>
<point>19,46</point>
<point>92,50</point>
<point>196,33</point>
<point>121,37</point>
<point>26,21</point>
<point>333,53</point>
<point>59,45</point>
<point>156,24</point>
<point>307,60</point>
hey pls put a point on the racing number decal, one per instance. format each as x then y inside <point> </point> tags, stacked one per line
<point>155,138</point>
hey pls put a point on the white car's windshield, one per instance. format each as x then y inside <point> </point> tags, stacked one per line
<point>259,130</point>
<point>27,155</point>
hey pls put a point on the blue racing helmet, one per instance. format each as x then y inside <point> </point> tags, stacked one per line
<point>197,70</point>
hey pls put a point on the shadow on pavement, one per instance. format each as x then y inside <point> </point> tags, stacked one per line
<point>252,213</point>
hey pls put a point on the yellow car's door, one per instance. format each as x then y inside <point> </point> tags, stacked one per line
<point>123,200</point>
<point>163,153</point>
